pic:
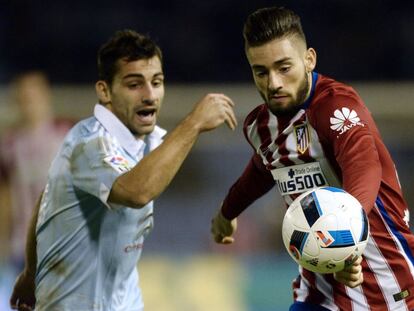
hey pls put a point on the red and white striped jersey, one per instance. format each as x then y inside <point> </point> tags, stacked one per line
<point>333,140</point>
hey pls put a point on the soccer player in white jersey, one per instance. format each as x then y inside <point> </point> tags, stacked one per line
<point>90,223</point>
<point>313,126</point>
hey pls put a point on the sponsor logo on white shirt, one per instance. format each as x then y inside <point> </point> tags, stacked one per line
<point>119,163</point>
<point>344,119</point>
<point>299,178</point>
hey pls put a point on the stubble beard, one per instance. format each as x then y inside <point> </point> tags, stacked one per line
<point>293,106</point>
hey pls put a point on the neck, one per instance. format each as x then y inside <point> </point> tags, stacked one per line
<point>310,81</point>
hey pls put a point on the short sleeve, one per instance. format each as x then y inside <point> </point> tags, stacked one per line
<point>96,164</point>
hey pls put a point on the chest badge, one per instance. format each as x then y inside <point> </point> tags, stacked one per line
<point>302,137</point>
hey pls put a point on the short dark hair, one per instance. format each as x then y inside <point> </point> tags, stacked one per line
<point>125,44</point>
<point>271,23</point>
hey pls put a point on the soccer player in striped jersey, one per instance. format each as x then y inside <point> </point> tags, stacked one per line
<point>89,227</point>
<point>314,131</point>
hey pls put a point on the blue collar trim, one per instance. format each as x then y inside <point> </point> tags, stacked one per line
<point>306,104</point>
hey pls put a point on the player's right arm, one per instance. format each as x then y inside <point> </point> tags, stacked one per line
<point>255,181</point>
<point>23,295</point>
<point>154,172</point>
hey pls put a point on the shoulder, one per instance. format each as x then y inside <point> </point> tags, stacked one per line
<point>331,96</point>
<point>86,128</point>
<point>86,131</point>
<point>336,108</point>
<point>92,138</point>
<point>329,90</point>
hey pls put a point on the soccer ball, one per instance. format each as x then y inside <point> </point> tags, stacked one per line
<point>325,230</point>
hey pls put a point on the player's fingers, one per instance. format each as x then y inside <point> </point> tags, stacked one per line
<point>355,283</point>
<point>13,301</point>
<point>222,239</point>
<point>351,280</point>
<point>350,284</point>
<point>230,120</point>
<point>229,116</point>
<point>358,261</point>
<point>226,99</point>
<point>356,269</point>
<point>232,116</point>
<point>227,240</point>
<point>218,240</point>
<point>344,275</point>
<point>25,307</point>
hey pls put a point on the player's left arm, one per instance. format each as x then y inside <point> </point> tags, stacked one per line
<point>346,125</point>
<point>23,295</point>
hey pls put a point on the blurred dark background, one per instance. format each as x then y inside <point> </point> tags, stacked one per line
<point>355,40</point>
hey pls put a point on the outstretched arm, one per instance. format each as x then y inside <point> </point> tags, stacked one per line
<point>254,183</point>
<point>23,296</point>
<point>154,172</point>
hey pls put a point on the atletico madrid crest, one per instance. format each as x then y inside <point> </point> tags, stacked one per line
<point>302,137</point>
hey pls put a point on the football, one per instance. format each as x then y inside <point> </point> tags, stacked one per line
<point>325,230</point>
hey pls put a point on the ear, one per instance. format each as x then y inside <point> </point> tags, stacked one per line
<point>310,59</point>
<point>103,92</point>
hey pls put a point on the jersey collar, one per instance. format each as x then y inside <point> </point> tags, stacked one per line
<point>306,104</point>
<point>124,136</point>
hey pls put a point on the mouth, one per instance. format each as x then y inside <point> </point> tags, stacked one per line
<point>146,116</point>
<point>278,96</point>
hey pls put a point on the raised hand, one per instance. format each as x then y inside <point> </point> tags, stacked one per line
<point>212,111</point>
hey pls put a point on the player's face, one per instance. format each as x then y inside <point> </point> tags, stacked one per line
<point>136,94</point>
<point>282,70</point>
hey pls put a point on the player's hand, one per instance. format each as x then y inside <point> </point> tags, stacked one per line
<point>222,229</point>
<point>351,276</point>
<point>23,296</point>
<point>212,111</point>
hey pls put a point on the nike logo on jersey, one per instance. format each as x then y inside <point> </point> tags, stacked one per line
<point>344,120</point>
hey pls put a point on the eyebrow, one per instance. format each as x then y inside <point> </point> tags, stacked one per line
<point>139,75</point>
<point>277,63</point>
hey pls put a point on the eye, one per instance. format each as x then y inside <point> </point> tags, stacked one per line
<point>158,82</point>
<point>260,74</point>
<point>134,85</point>
<point>284,69</point>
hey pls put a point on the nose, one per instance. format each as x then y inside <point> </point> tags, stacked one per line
<point>148,96</point>
<point>275,81</point>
